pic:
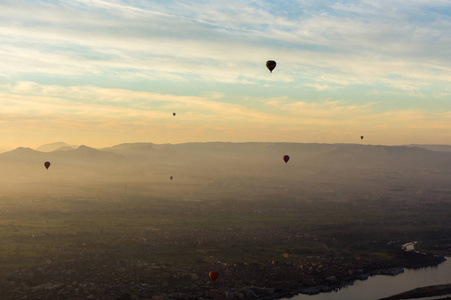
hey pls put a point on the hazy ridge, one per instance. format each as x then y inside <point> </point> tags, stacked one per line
<point>240,170</point>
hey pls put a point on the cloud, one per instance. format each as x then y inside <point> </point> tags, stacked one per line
<point>319,86</point>
<point>410,89</point>
<point>33,100</point>
<point>126,64</point>
<point>325,112</point>
<point>212,41</point>
<point>108,116</point>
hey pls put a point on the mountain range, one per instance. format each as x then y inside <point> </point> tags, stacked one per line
<point>239,170</point>
<point>55,146</point>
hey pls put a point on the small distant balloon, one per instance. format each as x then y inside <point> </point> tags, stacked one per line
<point>47,165</point>
<point>361,137</point>
<point>171,177</point>
<point>174,114</point>
<point>214,275</point>
<point>286,158</point>
<point>270,64</point>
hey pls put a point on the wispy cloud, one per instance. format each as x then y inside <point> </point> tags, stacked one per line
<point>110,116</point>
<point>319,86</point>
<point>357,39</point>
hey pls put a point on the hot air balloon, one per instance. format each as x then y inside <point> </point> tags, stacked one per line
<point>174,114</point>
<point>214,275</point>
<point>286,158</point>
<point>171,177</point>
<point>270,64</point>
<point>361,137</point>
<point>47,165</point>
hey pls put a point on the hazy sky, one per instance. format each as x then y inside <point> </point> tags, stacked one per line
<point>105,72</point>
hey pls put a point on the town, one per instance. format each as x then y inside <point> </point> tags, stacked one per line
<point>171,259</point>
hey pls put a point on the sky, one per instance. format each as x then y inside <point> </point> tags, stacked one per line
<point>101,73</point>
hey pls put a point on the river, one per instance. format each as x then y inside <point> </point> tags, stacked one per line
<point>379,286</point>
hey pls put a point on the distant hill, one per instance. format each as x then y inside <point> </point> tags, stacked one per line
<point>348,153</point>
<point>55,146</point>
<point>441,148</point>
<point>241,170</point>
<point>3,150</point>
<point>85,153</point>
<point>131,149</point>
<point>22,153</point>
<point>148,151</point>
<point>329,156</point>
<point>82,153</point>
<point>307,156</point>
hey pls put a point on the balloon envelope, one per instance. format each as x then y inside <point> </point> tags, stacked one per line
<point>173,114</point>
<point>47,164</point>
<point>214,275</point>
<point>361,137</point>
<point>286,158</point>
<point>270,64</point>
<point>171,177</point>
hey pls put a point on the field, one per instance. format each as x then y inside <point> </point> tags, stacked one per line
<point>34,231</point>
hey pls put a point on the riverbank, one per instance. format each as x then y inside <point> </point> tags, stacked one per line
<point>427,291</point>
<point>271,294</point>
<point>412,260</point>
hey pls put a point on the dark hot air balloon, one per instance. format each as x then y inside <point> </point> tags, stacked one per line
<point>361,137</point>
<point>171,177</point>
<point>270,64</point>
<point>174,114</point>
<point>47,165</point>
<point>214,275</point>
<point>286,158</point>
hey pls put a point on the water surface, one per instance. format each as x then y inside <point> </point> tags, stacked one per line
<point>380,286</point>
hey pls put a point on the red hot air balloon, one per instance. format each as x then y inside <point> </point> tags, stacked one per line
<point>213,275</point>
<point>270,64</point>
<point>47,165</point>
<point>286,158</point>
